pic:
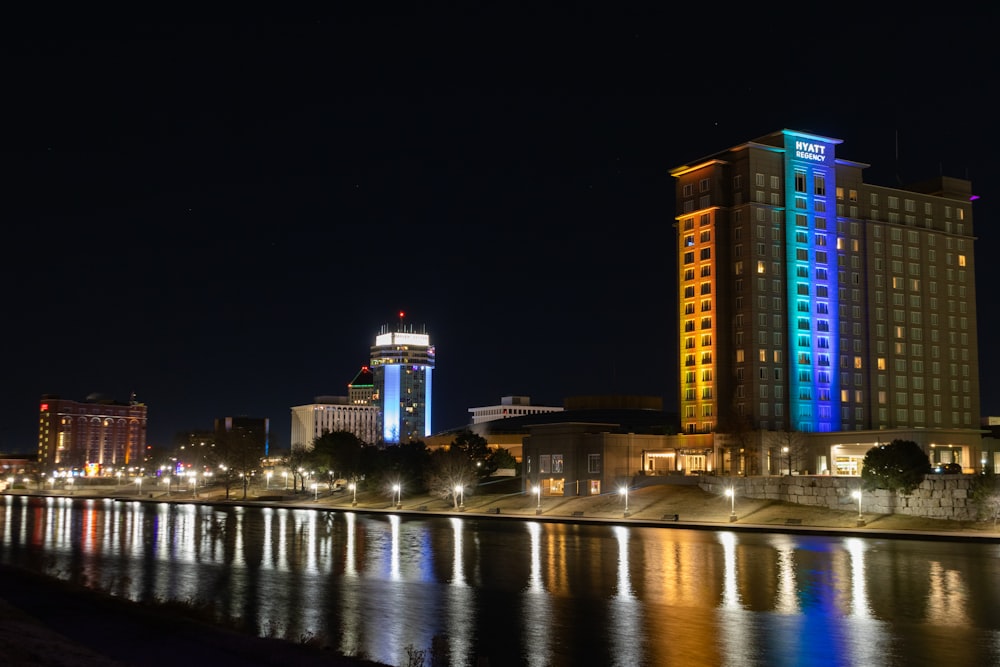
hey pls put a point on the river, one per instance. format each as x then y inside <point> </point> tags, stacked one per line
<point>517,591</point>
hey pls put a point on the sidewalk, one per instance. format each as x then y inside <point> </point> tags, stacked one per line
<point>648,506</point>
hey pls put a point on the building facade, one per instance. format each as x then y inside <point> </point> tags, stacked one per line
<point>509,407</point>
<point>402,364</point>
<point>813,302</point>
<point>333,413</point>
<point>96,436</point>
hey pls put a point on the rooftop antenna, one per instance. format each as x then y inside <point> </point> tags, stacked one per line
<point>401,314</point>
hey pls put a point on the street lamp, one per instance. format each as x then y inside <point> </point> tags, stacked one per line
<point>399,496</point>
<point>268,476</point>
<point>624,492</point>
<point>538,492</point>
<point>70,482</point>
<point>788,453</point>
<point>354,488</point>
<point>285,475</point>
<point>138,486</point>
<point>857,494</point>
<point>460,492</point>
<point>167,480</point>
<point>732,498</point>
<point>119,478</point>
<point>315,487</point>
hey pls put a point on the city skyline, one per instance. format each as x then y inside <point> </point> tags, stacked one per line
<point>220,221</point>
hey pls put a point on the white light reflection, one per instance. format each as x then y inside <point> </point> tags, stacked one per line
<point>394,574</point>
<point>351,602</point>
<point>624,612</point>
<point>786,600</point>
<point>536,630</point>
<point>461,610</point>
<point>735,623</point>
<point>867,634</point>
<point>947,597</point>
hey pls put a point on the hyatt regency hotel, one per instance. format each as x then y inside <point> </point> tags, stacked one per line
<point>813,302</point>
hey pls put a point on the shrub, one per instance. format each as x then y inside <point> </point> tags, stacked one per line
<point>897,466</point>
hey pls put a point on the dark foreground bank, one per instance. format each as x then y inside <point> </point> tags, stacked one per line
<point>46,622</point>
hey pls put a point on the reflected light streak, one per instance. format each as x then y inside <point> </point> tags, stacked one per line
<point>394,574</point>
<point>625,614</point>
<point>947,597</point>
<point>736,642</point>
<point>461,607</point>
<point>786,599</point>
<point>536,614</point>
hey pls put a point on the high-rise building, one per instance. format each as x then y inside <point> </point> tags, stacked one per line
<point>402,363</point>
<point>94,436</point>
<point>812,301</point>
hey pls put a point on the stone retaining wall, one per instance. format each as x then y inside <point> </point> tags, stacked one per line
<point>937,497</point>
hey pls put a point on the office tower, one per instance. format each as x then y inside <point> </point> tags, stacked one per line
<point>813,301</point>
<point>251,432</point>
<point>402,363</point>
<point>91,437</point>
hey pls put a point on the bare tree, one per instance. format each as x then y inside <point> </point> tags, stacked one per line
<point>790,447</point>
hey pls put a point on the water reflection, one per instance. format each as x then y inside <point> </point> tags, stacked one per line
<point>527,593</point>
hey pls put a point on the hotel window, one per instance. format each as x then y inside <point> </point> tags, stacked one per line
<point>688,190</point>
<point>704,202</point>
<point>705,237</point>
<point>852,195</point>
<point>593,463</point>
<point>893,202</point>
<point>840,193</point>
<point>557,463</point>
<point>800,181</point>
<point>706,253</point>
<point>737,181</point>
<point>705,219</point>
<point>819,185</point>
<point>776,183</point>
<point>706,271</point>
<point>703,185</point>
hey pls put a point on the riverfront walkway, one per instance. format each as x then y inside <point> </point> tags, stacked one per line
<point>665,505</point>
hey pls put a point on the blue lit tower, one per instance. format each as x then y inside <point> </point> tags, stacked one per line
<point>402,364</point>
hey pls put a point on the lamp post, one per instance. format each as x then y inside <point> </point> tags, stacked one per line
<point>538,492</point>
<point>624,492</point>
<point>732,499</point>
<point>285,475</point>
<point>119,478</point>
<point>460,493</point>
<point>167,480</point>
<point>399,495</point>
<point>788,453</point>
<point>268,476</point>
<point>69,481</point>
<point>138,486</point>
<point>315,491</point>
<point>354,489</point>
<point>857,494</point>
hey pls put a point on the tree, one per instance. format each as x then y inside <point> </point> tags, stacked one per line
<point>451,474</point>
<point>476,450</point>
<point>899,466</point>
<point>791,448</point>
<point>986,496</point>
<point>336,453</point>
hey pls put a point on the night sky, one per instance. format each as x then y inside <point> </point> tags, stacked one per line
<point>219,216</point>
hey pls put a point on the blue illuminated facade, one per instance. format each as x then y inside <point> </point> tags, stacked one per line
<point>811,279</point>
<point>402,365</point>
